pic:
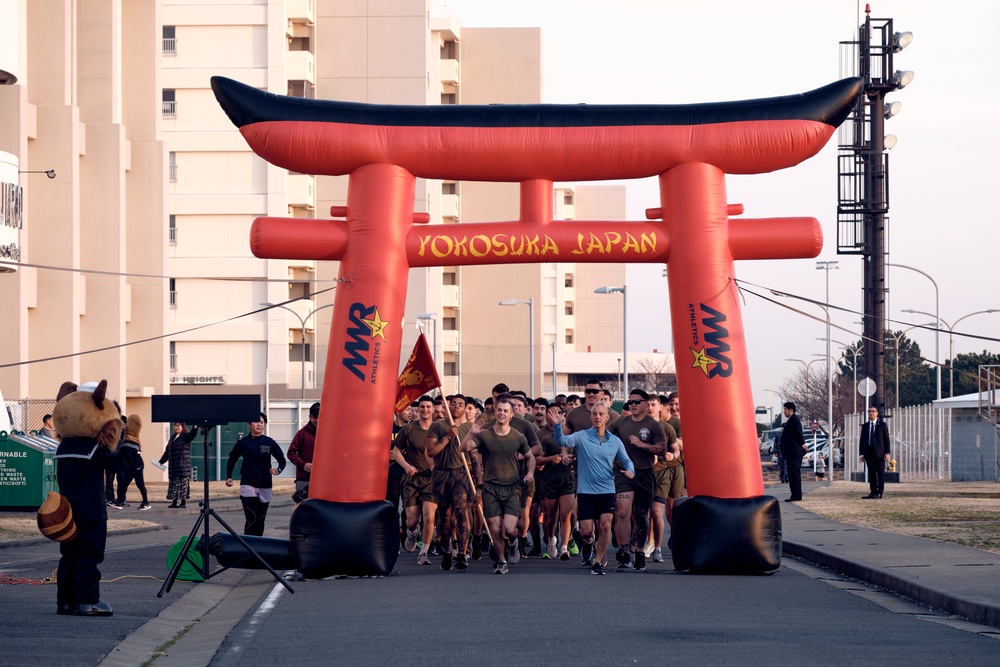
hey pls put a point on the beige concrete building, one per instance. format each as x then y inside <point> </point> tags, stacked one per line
<point>156,191</point>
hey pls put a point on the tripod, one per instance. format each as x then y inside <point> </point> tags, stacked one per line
<point>204,513</point>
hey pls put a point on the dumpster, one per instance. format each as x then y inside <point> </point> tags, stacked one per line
<point>27,470</point>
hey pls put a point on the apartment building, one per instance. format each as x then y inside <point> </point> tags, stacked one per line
<point>155,193</point>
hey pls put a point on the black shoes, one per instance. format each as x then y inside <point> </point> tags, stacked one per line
<point>587,553</point>
<point>477,549</point>
<point>870,496</point>
<point>460,562</point>
<point>102,608</point>
<point>446,561</point>
<point>792,499</point>
<point>640,561</point>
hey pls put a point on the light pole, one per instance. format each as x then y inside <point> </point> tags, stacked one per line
<point>302,321</point>
<point>951,342</point>
<point>826,266</point>
<point>937,318</point>
<point>434,350</point>
<point>854,352</point>
<point>530,303</point>
<point>612,290</point>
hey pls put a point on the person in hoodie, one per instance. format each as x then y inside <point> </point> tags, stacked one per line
<point>300,453</point>
<point>256,450</point>
<point>132,465</point>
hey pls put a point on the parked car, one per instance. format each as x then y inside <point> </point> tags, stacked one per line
<point>769,441</point>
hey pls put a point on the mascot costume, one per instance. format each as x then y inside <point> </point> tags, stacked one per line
<point>90,426</point>
<point>728,524</point>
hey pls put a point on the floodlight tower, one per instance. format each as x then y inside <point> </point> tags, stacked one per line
<point>863,177</point>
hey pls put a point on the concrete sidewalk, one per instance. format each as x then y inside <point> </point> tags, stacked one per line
<point>951,577</point>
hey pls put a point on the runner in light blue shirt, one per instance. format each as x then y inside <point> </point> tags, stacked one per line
<point>595,450</point>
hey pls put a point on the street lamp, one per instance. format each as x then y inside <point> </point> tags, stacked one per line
<point>951,342</point>
<point>612,290</point>
<point>854,352</point>
<point>827,266</point>
<point>530,302</point>
<point>937,318</point>
<point>434,351</point>
<point>302,321</point>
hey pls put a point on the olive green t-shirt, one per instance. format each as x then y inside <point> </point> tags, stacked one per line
<point>448,458</point>
<point>647,430</point>
<point>412,441</point>
<point>500,455</point>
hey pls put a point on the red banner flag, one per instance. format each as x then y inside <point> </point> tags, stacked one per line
<point>419,376</point>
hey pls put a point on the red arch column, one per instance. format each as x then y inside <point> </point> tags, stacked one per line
<point>350,462</point>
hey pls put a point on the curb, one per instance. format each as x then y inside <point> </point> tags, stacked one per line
<point>121,531</point>
<point>972,609</point>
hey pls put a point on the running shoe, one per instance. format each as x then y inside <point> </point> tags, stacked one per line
<point>597,568</point>
<point>477,549</point>
<point>648,549</point>
<point>116,505</point>
<point>624,559</point>
<point>657,555</point>
<point>587,553</point>
<point>563,553</point>
<point>461,562</point>
<point>422,559</point>
<point>435,549</point>
<point>640,561</point>
<point>502,569</point>
<point>574,550</point>
<point>552,551</point>
<point>411,540</point>
<point>145,506</point>
<point>513,553</point>
<point>446,561</point>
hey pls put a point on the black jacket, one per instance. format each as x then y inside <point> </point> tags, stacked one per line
<point>81,465</point>
<point>879,440</point>
<point>792,438</point>
<point>178,452</point>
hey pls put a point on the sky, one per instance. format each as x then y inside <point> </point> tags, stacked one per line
<point>674,52</point>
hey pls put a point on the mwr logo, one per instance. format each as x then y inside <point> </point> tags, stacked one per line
<point>366,325</point>
<point>713,358</point>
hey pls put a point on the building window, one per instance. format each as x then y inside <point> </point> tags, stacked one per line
<point>449,188</point>
<point>295,351</point>
<point>172,166</point>
<point>448,98</point>
<point>449,50</point>
<point>569,307</point>
<point>169,40</point>
<point>173,292</point>
<point>172,229</point>
<point>569,336</point>
<point>449,323</point>
<point>449,278</point>
<point>569,280</point>
<point>568,199</point>
<point>173,356</point>
<point>169,101</point>
<point>451,368</point>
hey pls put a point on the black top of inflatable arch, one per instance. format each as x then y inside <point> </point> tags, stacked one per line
<point>246,105</point>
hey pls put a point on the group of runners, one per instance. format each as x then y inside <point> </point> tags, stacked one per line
<point>571,473</point>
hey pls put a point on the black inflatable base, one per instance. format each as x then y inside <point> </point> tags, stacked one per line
<point>230,553</point>
<point>726,535</point>
<point>355,539</point>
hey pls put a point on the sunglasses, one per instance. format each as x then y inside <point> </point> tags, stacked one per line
<point>593,391</point>
<point>637,401</point>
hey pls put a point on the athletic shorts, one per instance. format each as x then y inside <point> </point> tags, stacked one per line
<point>447,483</point>
<point>643,485</point>
<point>670,482</point>
<point>417,489</point>
<point>557,485</point>
<point>590,506</point>
<point>501,499</point>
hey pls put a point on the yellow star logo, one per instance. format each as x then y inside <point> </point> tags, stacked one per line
<point>377,325</point>
<point>702,360</point>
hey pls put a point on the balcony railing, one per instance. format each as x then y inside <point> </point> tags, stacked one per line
<point>169,109</point>
<point>170,46</point>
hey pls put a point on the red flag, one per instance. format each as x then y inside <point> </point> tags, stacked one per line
<point>419,376</point>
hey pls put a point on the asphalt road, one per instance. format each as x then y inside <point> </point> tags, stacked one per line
<point>543,612</point>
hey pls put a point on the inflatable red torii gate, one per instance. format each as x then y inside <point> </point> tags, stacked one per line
<point>728,525</point>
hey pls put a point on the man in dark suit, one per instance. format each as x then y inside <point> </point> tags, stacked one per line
<point>793,447</point>
<point>874,447</point>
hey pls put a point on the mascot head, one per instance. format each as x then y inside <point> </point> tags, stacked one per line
<point>87,412</point>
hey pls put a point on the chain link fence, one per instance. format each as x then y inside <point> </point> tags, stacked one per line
<point>921,443</point>
<point>26,414</point>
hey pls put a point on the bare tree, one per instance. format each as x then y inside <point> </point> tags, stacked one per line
<point>652,375</point>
